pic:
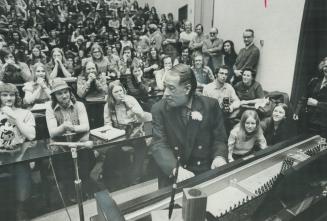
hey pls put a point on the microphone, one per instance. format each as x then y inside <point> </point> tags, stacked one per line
<point>87,144</point>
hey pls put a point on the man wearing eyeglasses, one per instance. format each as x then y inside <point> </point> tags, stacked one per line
<point>212,50</point>
<point>248,56</point>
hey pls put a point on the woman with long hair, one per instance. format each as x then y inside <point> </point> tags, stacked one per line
<point>38,90</point>
<point>152,63</point>
<point>17,126</point>
<point>246,137</point>
<point>275,127</point>
<point>91,83</point>
<point>13,71</point>
<point>122,110</point>
<point>36,56</point>
<point>56,66</point>
<point>229,58</point>
<point>170,40</point>
<point>98,58</point>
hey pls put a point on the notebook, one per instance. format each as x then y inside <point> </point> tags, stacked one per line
<point>107,133</point>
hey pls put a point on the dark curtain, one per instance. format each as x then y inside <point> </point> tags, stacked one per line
<point>312,48</point>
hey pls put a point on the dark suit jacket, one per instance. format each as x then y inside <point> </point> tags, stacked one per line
<point>318,114</point>
<point>198,142</point>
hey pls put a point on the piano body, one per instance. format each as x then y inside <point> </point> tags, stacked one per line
<point>283,181</point>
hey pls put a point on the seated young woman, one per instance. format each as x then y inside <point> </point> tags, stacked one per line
<point>56,67</point>
<point>275,127</point>
<point>17,125</point>
<point>160,74</point>
<point>134,83</point>
<point>122,110</point>
<point>246,137</point>
<point>38,90</point>
<point>12,70</point>
<point>64,116</point>
<point>90,83</point>
<point>98,58</point>
<point>249,90</point>
<point>152,64</point>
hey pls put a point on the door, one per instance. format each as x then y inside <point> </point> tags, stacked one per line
<point>204,13</point>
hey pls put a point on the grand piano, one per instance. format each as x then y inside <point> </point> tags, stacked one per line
<point>284,182</point>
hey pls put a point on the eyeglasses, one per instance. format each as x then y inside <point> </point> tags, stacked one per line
<point>213,33</point>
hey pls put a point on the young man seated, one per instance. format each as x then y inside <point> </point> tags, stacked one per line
<point>225,94</point>
<point>65,115</point>
<point>16,126</point>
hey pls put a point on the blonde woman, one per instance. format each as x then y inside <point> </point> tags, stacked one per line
<point>38,90</point>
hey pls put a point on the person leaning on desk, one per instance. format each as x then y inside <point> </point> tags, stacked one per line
<point>121,111</point>
<point>66,116</point>
<point>16,126</point>
<point>186,125</point>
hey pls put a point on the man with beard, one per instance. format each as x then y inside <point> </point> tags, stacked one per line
<point>64,116</point>
<point>188,127</point>
<point>155,36</point>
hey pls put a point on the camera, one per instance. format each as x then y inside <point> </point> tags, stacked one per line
<point>226,104</point>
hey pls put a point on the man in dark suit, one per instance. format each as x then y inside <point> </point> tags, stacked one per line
<point>186,126</point>
<point>314,103</point>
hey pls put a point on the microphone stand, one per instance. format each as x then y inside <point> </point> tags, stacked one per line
<point>78,183</point>
<point>173,191</point>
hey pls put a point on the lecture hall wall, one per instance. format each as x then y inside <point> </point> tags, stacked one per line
<point>277,25</point>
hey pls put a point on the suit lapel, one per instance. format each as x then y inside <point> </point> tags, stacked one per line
<point>175,123</point>
<point>192,127</point>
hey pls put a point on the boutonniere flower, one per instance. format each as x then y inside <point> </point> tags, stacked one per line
<point>196,115</point>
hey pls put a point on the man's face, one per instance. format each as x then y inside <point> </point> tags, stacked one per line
<point>188,27</point>
<point>176,95</point>
<point>198,61</point>
<point>213,34</point>
<point>248,38</point>
<point>128,53</point>
<point>7,99</point>
<point>168,64</point>
<point>96,53</point>
<point>63,97</point>
<point>15,36</point>
<point>222,75</point>
<point>198,30</point>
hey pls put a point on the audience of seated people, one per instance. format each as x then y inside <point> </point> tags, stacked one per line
<point>106,42</point>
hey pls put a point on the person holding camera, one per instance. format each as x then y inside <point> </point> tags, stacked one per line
<point>224,93</point>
